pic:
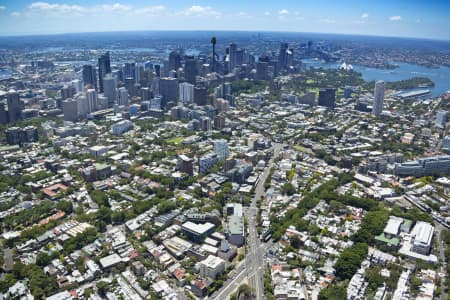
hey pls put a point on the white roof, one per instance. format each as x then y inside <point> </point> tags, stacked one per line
<point>423,233</point>
<point>212,261</point>
<point>209,248</point>
<point>110,260</point>
<point>393,225</point>
<point>198,228</point>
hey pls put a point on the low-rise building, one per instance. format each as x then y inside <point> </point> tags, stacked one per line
<point>211,267</point>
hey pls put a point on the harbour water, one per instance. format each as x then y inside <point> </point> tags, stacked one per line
<point>440,76</point>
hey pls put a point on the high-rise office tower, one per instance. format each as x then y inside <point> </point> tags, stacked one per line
<point>3,114</point>
<point>186,92</point>
<point>70,110</point>
<point>146,94</point>
<point>155,86</point>
<point>91,95</point>
<point>155,103</point>
<point>227,88</point>
<point>168,89</point>
<point>261,70</point>
<point>140,73</point>
<point>104,67</point>
<point>78,85</point>
<point>290,57</point>
<point>129,70</point>
<point>89,76</point>
<point>378,98</point>
<point>83,106</point>
<point>109,89</point>
<point>130,85</point>
<point>200,95</point>
<point>174,61</point>
<point>240,57</point>
<point>67,91</point>
<point>190,69</point>
<point>13,135</point>
<point>158,70</point>
<point>123,96</point>
<point>327,97</point>
<point>282,56</point>
<point>14,106</point>
<point>232,57</point>
<point>218,91</point>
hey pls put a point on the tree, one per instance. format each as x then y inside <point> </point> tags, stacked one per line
<point>333,292</point>
<point>99,197</point>
<point>65,206</point>
<point>350,260</point>
<point>296,242</point>
<point>288,188</point>
<point>102,288</point>
<point>374,278</point>
<point>42,259</point>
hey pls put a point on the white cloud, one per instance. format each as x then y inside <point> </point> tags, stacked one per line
<point>267,13</point>
<point>2,7</point>
<point>197,10</point>
<point>365,16</point>
<point>15,14</point>
<point>283,12</point>
<point>418,21</point>
<point>300,18</point>
<point>395,18</point>
<point>116,7</point>
<point>57,8</point>
<point>150,10</point>
<point>62,8</point>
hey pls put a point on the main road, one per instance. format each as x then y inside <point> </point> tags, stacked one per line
<point>253,265</point>
<point>255,262</point>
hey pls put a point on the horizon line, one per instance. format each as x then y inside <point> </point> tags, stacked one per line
<point>222,30</point>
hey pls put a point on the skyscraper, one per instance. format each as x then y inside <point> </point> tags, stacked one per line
<point>123,96</point>
<point>282,56</point>
<point>261,70</point>
<point>67,92</point>
<point>14,106</point>
<point>109,89</point>
<point>104,67</point>
<point>232,57</point>
<point>70,110</point>
<point>174,61</point>
<point>168,89</point>
<point>91,95</point>
<point>327,97</point>
<point>186,92</point>
<point>378,98</point>
<point>200,95</point>
<point>190,69</point>
<point>129,71</point>
<point>221,149</point>
<point>146,94</point>
<point>83,107</point>
<point>89,76</point>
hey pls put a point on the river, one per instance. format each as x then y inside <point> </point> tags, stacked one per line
<point>440,76</point>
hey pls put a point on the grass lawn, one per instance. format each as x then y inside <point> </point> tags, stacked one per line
<point>176,140</point>
<point>303,149</point>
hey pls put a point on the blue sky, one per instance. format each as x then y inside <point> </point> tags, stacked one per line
<point>412,18</point>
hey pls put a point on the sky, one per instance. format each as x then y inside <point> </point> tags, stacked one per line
<point>402,18</point>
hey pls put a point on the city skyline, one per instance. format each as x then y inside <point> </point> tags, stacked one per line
<point>418,19</point>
